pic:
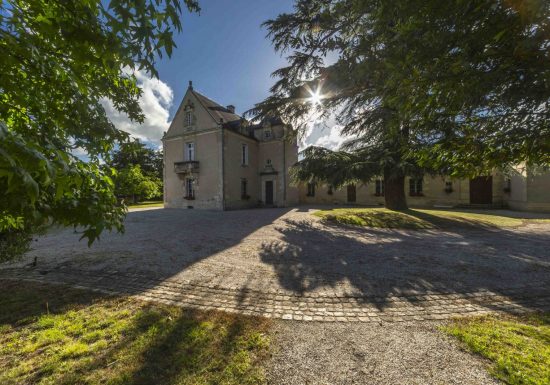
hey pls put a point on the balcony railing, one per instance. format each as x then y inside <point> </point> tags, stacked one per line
<point>186,167</point>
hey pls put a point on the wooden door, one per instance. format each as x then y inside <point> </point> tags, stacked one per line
<point>352,196</point>
<point>481,190</point>
<point>268,192</point>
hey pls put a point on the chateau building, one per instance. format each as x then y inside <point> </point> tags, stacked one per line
<point>215,159</point>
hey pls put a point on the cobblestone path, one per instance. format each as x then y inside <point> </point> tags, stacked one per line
<point>286,264</point>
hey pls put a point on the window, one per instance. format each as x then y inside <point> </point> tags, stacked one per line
<point>189,151</point>
<point>189,188</point>
<point>449,187</point>
<point>244,189</point>
<point>268,162</point>
<point>267,133</point>
<point>379,188</point>
<point>244,155</point>
<point>310,189</point>
<point>329,191</point>
<point>508,185</point>
<point>188,118</point>
<point>415,187</point>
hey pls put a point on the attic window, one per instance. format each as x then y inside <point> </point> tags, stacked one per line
<point>267,133</point>
<point>188,118</point>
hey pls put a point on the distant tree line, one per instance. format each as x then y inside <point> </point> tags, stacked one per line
<point>138,172</point>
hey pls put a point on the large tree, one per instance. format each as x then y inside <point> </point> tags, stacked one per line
<point>134,153</point>
<point>459,87</point>
<point>60,61</point>
<point>139,171</point>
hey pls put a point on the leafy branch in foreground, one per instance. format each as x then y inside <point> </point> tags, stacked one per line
<point>60,61</point>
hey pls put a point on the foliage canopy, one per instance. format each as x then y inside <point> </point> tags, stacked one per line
<point>60,61</point>
<point>459,87</point>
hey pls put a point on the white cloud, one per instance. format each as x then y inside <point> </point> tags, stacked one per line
<point>325,134</point>
<point>156,99</point>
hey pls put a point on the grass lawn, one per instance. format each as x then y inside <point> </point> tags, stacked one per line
<point>518,347</point>
<point>422,219</point>
<point>146,204</point>
<point>56,335</point>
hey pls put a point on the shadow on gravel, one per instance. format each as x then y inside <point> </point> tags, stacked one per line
<point>379,263</point>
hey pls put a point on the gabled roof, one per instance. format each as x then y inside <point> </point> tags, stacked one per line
<point>216,110</point>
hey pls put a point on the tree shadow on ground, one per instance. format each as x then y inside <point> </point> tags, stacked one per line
<point>22,302</point>
<point>378,263</point>
<point>157,345</point>
<point>159,243</point>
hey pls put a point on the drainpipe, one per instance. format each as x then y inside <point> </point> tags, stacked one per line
<point>223,164</point>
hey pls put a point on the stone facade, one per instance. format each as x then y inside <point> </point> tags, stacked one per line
<point>214,159</point>
<point>527,189</point>
<point>430,192</point>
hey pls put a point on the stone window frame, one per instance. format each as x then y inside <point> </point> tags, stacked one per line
<point>310,190</point>
<point>244,154</point>
<point>416,187</point>
<point>190,155</point>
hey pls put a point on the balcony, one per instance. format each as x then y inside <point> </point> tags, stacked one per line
<point>186,167</point>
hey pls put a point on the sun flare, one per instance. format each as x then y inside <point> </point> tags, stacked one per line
<point>315,97</point>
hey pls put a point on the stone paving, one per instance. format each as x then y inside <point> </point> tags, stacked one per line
<point>286,264</point>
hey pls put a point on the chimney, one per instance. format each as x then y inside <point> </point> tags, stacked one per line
<point>190,84</point>
<point>231,108</point>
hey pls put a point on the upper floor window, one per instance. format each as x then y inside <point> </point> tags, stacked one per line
<point>267,133</point>
<point>310,189</point>
<point>189,151</point>
<point>268,162</point>
<point>244,154</point>
<point>415,187</point>
<point>379,187</point>
<point>188,118</point>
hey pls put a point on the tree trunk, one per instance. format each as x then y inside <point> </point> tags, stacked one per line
<point>394,192</point>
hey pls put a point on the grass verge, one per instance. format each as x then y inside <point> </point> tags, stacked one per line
<point>146,204</point>
<point>518,347</point>
<point>55,335</point>
<point>421,219</point>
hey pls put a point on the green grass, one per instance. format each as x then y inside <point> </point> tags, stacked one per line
<point>421,219</point>
<point>518,347</point>
<point>55,335</point>
<point>146,204</point>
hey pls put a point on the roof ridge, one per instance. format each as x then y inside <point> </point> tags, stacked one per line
<point>197,94</point>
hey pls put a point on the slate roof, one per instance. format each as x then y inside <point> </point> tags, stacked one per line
<point>216,110</point>
<point>231,120</point>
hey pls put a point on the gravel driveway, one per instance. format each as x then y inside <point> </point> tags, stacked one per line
<point>388,354</point>
<point>286,263</point>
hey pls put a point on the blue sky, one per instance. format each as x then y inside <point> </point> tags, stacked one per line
<point>225,52</point>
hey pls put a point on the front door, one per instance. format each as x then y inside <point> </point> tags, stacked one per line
<point>481,190</point>
<point>351,193</point>
<point>268,192</point>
